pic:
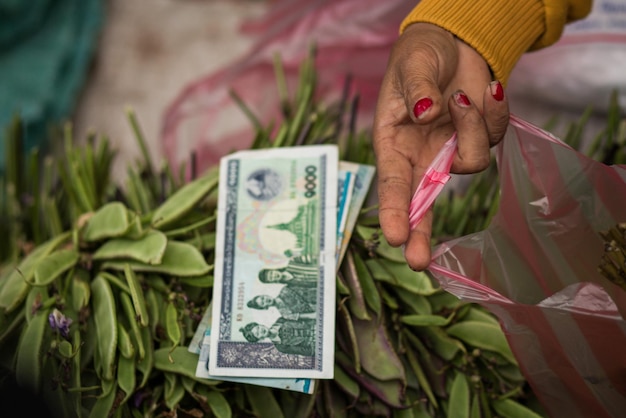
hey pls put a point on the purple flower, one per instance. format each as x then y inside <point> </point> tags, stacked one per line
<point>60,322</point>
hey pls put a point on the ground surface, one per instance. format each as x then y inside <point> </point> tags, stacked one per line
<point>148,52</point>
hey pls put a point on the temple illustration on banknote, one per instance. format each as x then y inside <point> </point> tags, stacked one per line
<point>304,226</point>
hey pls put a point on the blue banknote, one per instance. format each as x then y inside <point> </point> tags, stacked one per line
<point>363,175</point>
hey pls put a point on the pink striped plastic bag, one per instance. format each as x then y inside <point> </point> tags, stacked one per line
<point>535,268</point>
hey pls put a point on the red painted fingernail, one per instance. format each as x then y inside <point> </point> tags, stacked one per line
<point>461,99</point>
<point>497,91</point>
<point>422,106</point>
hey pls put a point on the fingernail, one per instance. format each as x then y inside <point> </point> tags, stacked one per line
<point>461,99</point>
<point>422,106</point>
<point>496,90</point>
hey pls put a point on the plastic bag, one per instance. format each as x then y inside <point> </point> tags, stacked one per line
<point>536,268</point>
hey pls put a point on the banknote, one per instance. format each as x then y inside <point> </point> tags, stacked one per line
<point>200,342</point>
<point>195,345</point>
<point>345,188</point>
<point>363,176</point>
<point>275,260</point>
<point>202,370</point>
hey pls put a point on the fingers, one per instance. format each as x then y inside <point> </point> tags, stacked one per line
<point>477,132</point>
<point>422,97</point>
<point>393,169</point>
<point>394,193</point>
<point>496,112</point>
<point>417,247</point>
<point>472,138</point>
<point>428,58</point>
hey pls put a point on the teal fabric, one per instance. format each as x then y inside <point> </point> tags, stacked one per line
<point>46,47</point>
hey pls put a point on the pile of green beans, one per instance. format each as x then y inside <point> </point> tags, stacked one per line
<point>102,287</point>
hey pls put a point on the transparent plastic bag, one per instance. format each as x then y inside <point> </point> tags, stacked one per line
<point>536,268</point>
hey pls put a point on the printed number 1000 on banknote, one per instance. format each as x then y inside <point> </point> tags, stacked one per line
<point>274,291</point>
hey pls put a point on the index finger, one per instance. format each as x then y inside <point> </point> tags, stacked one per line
<point>394,192</point>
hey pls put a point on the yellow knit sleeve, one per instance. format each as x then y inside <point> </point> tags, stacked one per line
<point>557,14</point>
<point>501,30</point>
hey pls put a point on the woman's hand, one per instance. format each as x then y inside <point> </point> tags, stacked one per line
<point>434,85</point>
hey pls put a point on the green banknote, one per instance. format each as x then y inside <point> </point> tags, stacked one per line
<point>275,263</point>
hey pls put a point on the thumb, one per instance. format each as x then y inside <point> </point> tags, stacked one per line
<point>427,56</point>
<point>422,96</point>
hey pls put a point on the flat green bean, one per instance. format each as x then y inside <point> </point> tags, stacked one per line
<point>129,311</point>
<point>183,200</point>
<point>81,292</point>
<point>370,291</point>
<point>174,391</point>
<point>180,259</point>
<point>30,353</point>
<point>145,364</point>
<point>105,319</point>
<point>219,405</point>
<point>147,249</point>
<point>110,221</point>
<point>181,361</point>
<point>459,403</point>
<point>76,371</point>
<point>16,286</point>
<point>263,402</point>
<point>512,409</point>
<point>172,326</point>
<point>124,343</point>
<point>126,376</point>
<point>483,335</point>
<point>136,294</point>
<point>53,265</point>
<point>34,301</point>
<point>104,403</point>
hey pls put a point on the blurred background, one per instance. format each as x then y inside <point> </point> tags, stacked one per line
<point>90,60</point>
<point>174,61</point>
<point>148,51</point>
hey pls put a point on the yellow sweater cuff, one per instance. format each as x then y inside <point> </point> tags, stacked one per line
<point>500,35</point>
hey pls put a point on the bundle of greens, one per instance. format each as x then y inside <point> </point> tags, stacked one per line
<point>102,286</point>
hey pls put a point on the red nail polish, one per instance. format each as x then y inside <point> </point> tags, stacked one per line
<point>422,106</point>
<point>462,100</point>
<point>497,91</point>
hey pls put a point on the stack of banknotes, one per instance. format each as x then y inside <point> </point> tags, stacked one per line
<point>285,217</point>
